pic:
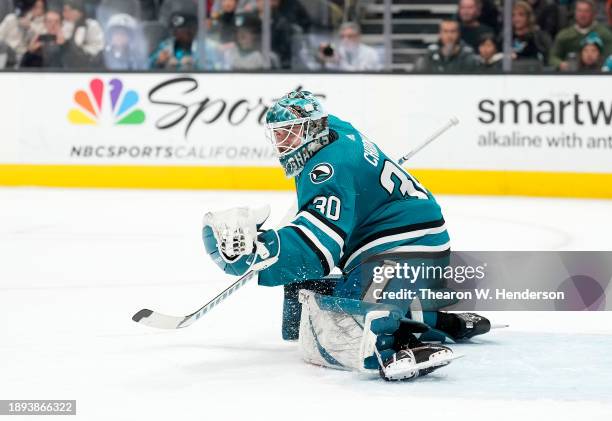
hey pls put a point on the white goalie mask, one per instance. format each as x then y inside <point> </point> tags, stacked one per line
<point>287,136</point>
<point>297,127</point>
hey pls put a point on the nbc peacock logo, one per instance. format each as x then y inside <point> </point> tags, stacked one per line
<point>104,103</point>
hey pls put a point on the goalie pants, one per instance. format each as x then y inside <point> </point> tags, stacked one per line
<point>396,279</point>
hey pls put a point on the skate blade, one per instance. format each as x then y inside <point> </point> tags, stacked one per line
<point>499,326</point>
<point>400,373</point>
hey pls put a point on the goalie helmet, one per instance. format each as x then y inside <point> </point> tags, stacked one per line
<point>297,127</point>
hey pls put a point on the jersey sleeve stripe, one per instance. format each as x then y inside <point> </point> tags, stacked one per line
<point>323,227</point>
<point>326,222</point>
<point>317,243</point>
<point>327,262</point>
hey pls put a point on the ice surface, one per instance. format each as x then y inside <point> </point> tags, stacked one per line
<point>76,264</point>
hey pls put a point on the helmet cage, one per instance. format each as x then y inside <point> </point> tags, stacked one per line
<point>288,136</point>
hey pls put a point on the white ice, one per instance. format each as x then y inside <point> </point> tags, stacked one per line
<point>76,264</point>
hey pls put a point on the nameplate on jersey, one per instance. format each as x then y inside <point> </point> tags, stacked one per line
<point>321,173</point>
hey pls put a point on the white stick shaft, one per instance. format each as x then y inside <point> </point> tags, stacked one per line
<point>164,321</point>
<point>452,122</point>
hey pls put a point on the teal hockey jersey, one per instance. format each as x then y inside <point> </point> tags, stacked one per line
<point>353,202</point>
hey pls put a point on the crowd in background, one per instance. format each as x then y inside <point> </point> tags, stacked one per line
<point>547,35</point>
<point>154,34</point>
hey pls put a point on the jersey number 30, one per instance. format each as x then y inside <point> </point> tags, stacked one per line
<point>407,185</point>
<point>328,206</point>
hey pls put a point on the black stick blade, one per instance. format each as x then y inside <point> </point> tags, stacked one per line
<point>142,314</point>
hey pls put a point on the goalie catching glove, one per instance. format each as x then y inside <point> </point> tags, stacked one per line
<point>234,242</point>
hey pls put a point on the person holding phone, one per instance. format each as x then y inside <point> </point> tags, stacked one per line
<point>84,35</point>
<point>48,48</point>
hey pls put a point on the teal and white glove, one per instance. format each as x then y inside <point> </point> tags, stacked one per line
<point>234,242</point>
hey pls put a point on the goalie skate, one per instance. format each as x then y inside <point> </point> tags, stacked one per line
<point>470,325</point>
<point>410,363</point>
<point>462,326</point>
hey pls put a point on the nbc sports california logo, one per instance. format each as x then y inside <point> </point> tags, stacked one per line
<point>106,102</point>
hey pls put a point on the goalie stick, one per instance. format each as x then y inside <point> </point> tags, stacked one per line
<point>452,122</point>
<point>162,321</point>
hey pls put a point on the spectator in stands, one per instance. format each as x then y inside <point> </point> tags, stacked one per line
<point>568,40</point>
<point>47,49</point>
<point>591,59</point>
<point>528,41</point>
<point>490,59</point>
<point>282,32</point>
<point>84,36</point>
<point>246,53</point>
<point>180,51</point>
<point>148,10</point>
<point>91,7</point>
<point>450,53</point>
<point>293,11</point>
<point>8,59</point>
<point>489,15</point>
<point>290,11</point>
<point>351,54</point>
<point>550,17</point>
<point>224,22</point>
<point>124,49</point>
<point>242,6</point>
<point>607,67</point>
<point>19,28</point>
<point>471,28</point>
<point>609,12</point>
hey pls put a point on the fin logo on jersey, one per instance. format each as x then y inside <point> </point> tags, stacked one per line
<point>321,173</point>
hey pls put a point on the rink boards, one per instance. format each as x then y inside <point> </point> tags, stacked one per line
<point>522,135</point>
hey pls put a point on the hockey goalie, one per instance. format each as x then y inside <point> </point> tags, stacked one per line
<point>357,211</point>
